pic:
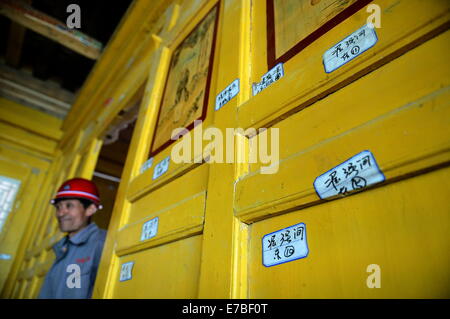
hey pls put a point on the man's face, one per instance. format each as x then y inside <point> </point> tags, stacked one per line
<point>72,216</point>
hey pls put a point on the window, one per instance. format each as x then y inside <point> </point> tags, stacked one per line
<point>8,191</point>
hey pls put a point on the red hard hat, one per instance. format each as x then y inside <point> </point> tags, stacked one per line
<point>78,188</point>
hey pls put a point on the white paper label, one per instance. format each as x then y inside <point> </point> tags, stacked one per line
<point>149,229</point>
<point>354,174</point>
<point>161,167</point>
<point>148,164</point>
<point>226,95</point>
<point>349,48</point>
<point>285,245</point>
<point>267,79</point>
<point>125,271</point>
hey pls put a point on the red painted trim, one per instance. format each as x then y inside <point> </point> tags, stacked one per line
<point>272,60</point>
<point>207,86</point>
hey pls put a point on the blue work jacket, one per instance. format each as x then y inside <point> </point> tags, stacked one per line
<point>72,275</point>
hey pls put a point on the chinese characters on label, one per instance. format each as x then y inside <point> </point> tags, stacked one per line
<point>267,79</point>
<point>125,271</point>
<point>285,245</point>
<point>354,174</point>
<point>349,48</point>
<point>226,95</point>
<point>147,165</point>
<point>149,229</point>
<point>161,167</point>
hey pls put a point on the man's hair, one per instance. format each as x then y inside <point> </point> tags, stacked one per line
<point>85,202</point>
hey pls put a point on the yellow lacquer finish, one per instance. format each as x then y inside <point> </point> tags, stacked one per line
<point>180,259</point>
<point>386,101</point>
<point>335,121</point>
<point>28,141</point>
<point>392,100</point>
<point>403,236</point>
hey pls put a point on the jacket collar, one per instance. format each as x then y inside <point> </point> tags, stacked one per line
<point>61,247</point>
<point>83,235</point>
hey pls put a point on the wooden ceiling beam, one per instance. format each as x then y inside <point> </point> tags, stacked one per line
<point>47,88</point>
<point>16,95</point>
<point>51,28</point>
<point>15,42</point>
<point>42,95</point>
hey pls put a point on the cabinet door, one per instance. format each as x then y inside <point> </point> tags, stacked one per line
<point>357,198</point>
<point>158,242</point>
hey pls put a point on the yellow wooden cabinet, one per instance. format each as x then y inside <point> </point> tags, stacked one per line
<point>207,229</point>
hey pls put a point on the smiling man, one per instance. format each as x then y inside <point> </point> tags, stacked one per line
<point>73,273</point>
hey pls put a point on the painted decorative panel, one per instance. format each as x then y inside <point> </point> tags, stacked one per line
<point>186,92</point>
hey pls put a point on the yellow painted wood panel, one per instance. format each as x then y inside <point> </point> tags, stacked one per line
<point>166,271</point>
<point>21,164</point>
<point>406,129</point>
<point>144,182</point>
<point>170,193</point>
<point>404,24</point>
<point>138,150</point>
<point>13,223</point>
<point>180,210</point>
<point>417,147</point>
<point>402,227</point>
<point>175,221</point>
<point>29,119</point>
<point>27,139</point>
<point>191,13</point>
<point>388,100</point>
<point>221,249</point>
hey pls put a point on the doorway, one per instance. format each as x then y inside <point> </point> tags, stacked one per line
<point>112,157</point>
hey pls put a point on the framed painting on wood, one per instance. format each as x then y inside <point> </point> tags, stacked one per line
<point>186,92</point>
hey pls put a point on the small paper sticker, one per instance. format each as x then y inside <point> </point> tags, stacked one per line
<point>349,48</point>
<point>148,164</point>
<point>270,77</point>
<point>149,229</point>
<point>226,95</point>
<point>126,270</point>
<point>356,173</point>
<point>161,168</point>
<point>285,245</point>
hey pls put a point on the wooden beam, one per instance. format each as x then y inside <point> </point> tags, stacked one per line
<point>14,49</point>
<point>128,43</point>
<point>33,93</point>
<point>15,42</point>
<point>27,90</point>
<point>48,88</point>
<point>16,95</point>
<point>51,28</point>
